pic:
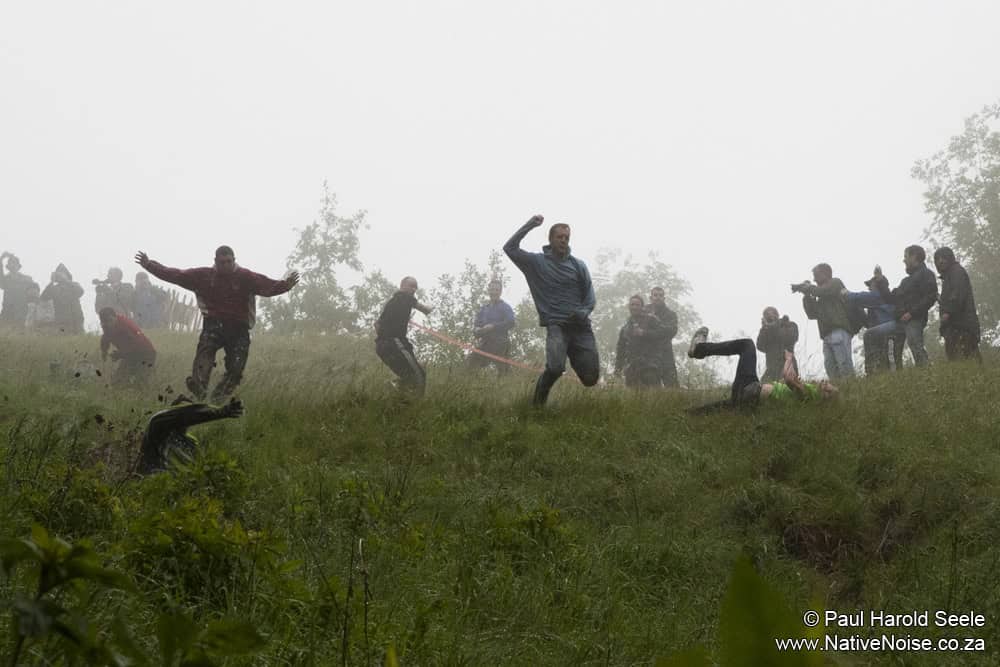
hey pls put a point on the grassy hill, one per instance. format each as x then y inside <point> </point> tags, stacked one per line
<point>603,530</point>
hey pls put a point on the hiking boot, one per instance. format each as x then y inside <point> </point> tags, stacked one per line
<point>700,336</point>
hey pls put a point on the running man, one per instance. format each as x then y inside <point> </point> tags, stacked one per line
<point>226,296</point>
<point>391,344</point>
<point>564,298</point>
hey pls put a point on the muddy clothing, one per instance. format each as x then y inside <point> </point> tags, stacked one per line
<point>826,306</point>
<point>166,439</point>
<point>65,296</point>
<point>231,336</point>
<point>915,294</point>
<point>133,351</point>
<point>560,286</point>
<point>668,365</point>
<point>575,342</point>
<point>119,296</point>
<point>639,351</point>
<point>392,345</point>
<point>15,286</point>
<point>773,340</point>
<point>227,297</point>
<point>958,302</point>
<point>150,306</point>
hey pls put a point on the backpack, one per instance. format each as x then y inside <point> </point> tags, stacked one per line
<point>857,318</point>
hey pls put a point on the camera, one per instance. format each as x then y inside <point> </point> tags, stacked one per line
<point>800,287</point>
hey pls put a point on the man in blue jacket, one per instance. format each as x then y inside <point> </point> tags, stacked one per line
<point>492,329</point>
<point>564,298</point>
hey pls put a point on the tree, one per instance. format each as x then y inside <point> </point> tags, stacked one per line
<point>319,304</point>
<point>456,300</point>
<point>963,198</point>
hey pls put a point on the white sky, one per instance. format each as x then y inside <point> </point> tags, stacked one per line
<point>745,141</point>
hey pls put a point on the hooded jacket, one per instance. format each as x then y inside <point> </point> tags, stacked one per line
<point>958,302</point>
<point>560,286</point>
<point>65,296</point>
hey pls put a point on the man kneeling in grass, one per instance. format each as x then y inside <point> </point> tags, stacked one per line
<point>747,390</point>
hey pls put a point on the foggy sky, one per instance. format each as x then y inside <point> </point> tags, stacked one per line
<point>745,141</point>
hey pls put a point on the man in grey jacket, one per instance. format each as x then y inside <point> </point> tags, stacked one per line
<point>563,293</point>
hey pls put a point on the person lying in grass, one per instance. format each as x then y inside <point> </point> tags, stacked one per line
<point>747,391</point>
<point>166,439</point>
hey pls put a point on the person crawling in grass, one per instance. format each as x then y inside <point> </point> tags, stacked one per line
<point>747,390</point>
<point>166,439</point>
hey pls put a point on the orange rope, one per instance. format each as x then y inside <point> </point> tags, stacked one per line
<point>474,350</point>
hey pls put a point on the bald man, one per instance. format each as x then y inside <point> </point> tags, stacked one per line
<point>391,344</point>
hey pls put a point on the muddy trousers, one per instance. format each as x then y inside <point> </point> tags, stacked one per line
<point>234,339</point>
<point>397,354</point>
<point>573,341</point>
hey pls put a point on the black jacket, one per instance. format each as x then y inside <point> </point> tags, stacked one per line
<point>773,340</point>
<point>958,302</point>
<point>915,295</point>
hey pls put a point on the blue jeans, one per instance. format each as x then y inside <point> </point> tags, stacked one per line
<point>913,330</point>
<point>837,356</point>
<point>575,341</point>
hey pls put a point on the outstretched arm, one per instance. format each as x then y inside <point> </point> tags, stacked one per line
<point>513,245</point>
<point>187,279</point>
<point>194,414</point>
<point>791,376</point>
<point>426,310</point>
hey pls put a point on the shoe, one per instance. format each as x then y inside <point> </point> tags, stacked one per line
<point>700,336</point>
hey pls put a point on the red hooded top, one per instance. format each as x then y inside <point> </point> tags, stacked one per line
<point>228,297</point>
<point>128,339</point>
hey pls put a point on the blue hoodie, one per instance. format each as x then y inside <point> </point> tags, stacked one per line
<point>561,288</point>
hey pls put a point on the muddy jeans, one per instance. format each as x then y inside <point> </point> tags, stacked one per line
<point>575,341</point>
<point>216,334</point>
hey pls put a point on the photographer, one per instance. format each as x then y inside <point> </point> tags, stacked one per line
<point>113,293</point>
<point>823,302</point>
<point>15,286</point>
<point>639,343</point>
<point>65,295</point>
<point>777,334</point>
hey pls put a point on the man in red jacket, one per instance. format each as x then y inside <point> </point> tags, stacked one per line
<point>226,297</point>
<point>133,351</point>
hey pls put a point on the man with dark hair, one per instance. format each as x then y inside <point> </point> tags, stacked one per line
<point>776,336</point>
<point>15,286</point>
<point>957,305</point>
<point>166,439</point>
<point>913,299</point>
<point>226,296</point>
<point>823,302</point>
<point>747,391</point>
<point>113,293</point>
<point>150,302</point>
<point>668,320</point>
<point>65,295</point>
<point>492,330</point>
<point>639,350</point>
<point>133,351</point>
<point>563,293</point>
<point>391,344</point>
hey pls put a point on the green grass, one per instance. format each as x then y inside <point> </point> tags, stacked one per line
<point>603,530</point>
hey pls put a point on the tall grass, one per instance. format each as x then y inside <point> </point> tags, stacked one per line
<point>467,528</point>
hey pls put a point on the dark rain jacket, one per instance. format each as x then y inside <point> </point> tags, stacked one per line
<point>915,295</point>
<point>958,302</point>
<point>635,352</point>
<point>773,340</point>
